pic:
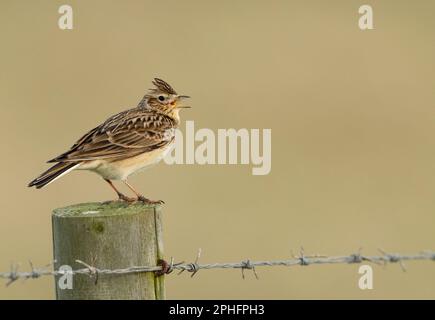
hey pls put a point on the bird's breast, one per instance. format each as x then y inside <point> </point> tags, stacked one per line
<point>121,169</point>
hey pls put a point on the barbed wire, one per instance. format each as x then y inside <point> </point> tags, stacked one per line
<point>166,268</point>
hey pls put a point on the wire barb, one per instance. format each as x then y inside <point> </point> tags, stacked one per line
<point>195,266</point>
<point>92,270</point>
<point>13,275</point>
<point>248,265</point>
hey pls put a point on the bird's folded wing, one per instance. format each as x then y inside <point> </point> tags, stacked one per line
<point>121,137</point>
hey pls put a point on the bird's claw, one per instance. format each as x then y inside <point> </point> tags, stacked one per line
<point>148,201</point>
<point>125,198</point>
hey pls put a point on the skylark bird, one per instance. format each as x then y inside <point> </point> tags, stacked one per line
<point>125,143</point>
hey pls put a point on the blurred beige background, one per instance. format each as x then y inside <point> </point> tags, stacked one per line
<point>352,117</point>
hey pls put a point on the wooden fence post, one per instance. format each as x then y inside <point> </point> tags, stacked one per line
<point>109,236</point>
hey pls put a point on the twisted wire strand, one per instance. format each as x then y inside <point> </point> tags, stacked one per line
<point>193,267</point>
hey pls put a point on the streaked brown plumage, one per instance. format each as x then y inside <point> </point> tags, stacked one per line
<point>125,143</point>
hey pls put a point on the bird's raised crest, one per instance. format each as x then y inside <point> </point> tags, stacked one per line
<point>163,86</point>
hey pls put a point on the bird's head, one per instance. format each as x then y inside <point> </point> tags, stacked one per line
<point>163,98</point>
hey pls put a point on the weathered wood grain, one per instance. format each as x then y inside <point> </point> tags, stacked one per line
<point>109,236</point>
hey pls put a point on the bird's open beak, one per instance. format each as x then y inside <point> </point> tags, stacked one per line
<point>182,98</point>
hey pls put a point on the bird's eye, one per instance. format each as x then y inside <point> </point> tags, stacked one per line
<point>161,98</point>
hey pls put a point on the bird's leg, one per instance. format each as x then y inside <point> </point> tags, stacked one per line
<point>141,197</point>
<point>121,196</point>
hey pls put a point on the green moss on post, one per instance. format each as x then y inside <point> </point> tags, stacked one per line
<point>109,236</point>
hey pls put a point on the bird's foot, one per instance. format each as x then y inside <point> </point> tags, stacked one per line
<point>148,201</point>
<point>124,198</point>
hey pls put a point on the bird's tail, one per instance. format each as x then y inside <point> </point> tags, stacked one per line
<point>55,172</point>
